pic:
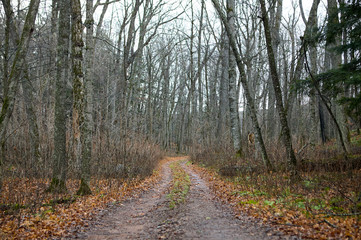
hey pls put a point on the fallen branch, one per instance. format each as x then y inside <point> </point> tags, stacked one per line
<point>328,223</point>
<point>343,214</point>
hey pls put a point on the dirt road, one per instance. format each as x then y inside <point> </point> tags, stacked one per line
<point>201,216</point>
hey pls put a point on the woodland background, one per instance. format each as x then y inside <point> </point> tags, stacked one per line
<point>104,89</point>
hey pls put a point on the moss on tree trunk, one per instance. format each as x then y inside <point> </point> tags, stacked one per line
<point>57,186</point>
<point>84,188</point>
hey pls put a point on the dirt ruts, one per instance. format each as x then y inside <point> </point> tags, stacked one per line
<point>201,216</point>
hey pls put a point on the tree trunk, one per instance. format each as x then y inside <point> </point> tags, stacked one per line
<point>223,95</point>
<point>89,65</point>
<point>81,124</point>
<point>278,94</point>
<point>275,34</point>
<point>250,101</point>
<point>12,81</point>
<point>32,120</point>
<point>313,59</point>
<point>60,163</point>
<point>193,94</point>
<point>301,58</point>
<point>28,94</point>
<point>333,60</point>
<point>332,115</point>
<point>199,69</point>
<point>232,76</point>
<point>165,92</point>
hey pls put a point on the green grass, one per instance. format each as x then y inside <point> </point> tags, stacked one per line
<point>180,185</point>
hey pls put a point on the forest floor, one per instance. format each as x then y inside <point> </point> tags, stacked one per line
<point>151,215</point>
<point>179,201</point>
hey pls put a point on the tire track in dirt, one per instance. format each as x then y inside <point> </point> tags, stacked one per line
<point>131,219</point>
<point>201,216</point>
<point>204,217</point>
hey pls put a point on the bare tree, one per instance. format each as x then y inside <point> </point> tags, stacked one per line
<point>81,124</point>
<point>12,81</point>
<point>28,89</point>
<point>249,98</point>
<point>60,163</point>
<point>232,75</point>
<point>278,93</point>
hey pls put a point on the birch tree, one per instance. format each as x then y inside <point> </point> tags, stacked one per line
<point>232,76</point>
<point>250,101</point>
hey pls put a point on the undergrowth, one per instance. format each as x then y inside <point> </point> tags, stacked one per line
<point>325,203</point>
<point>179,186</point>
<point>27,211</point>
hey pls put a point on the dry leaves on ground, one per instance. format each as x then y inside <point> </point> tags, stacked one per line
<point>289,213</point>
<point>27,212</point>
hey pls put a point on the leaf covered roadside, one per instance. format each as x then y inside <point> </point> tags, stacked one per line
<point>303,214</point>
<point>61,215</point>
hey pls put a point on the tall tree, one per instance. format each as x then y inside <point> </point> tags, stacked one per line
<point>223,113</point>
<point>81,124</point>
<point>275,23</point>
<point>28,89</point>
<point>311,36</point>
<point>89,59</point>
<point>299,66</point>
<point>11,83</point>
<point>333,59</point>
<point>60,163</point>
<point>278,93</point>
<point>199,65</point>
<point>250,101</point>
<point>232,76</point>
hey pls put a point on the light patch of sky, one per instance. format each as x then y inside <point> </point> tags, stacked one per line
<point>116,11</point>
<point>289,6</point>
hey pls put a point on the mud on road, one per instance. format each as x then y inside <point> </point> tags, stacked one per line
<point>201,216</point>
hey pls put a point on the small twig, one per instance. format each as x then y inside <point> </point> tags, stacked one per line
<point>343,214</point>
<point>328,223</point>
<point>302,148</point>
<point>344,195</point>
<point>289,224</point>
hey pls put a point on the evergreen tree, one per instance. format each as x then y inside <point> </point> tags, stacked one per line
<point>348,75</point>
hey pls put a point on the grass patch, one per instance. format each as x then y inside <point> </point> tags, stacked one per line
<point>179,186</point>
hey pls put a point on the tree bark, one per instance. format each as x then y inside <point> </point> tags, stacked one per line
<point>60,163</point>
<point>12,81</point>
<point>199,68</point>
<point>333,60</point>
<point>278,93</point>
<point>313,59</point>
<point>81,123</point>
<point>232,76</point>
<point>333,117</point>
<point>223,113</point>
<point>28,92</point>
<point>89,59</point>
<point>250,101</point>
<point>301,58</point>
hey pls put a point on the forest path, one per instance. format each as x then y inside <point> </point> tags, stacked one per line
<point>201,216</point>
